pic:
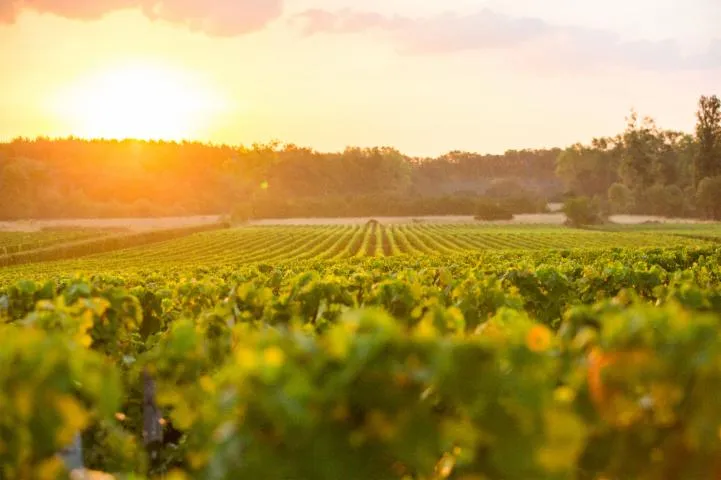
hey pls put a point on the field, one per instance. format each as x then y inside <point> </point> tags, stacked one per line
<point>283,244</point>
<point>13,242</point>
<point>371,351</point>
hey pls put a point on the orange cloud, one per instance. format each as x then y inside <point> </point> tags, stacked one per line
<point>214,17</point>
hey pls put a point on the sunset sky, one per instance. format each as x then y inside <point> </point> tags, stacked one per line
<point>423,76</point>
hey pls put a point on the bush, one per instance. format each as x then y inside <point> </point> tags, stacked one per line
<point>582,211</point>
<point>490,211</point>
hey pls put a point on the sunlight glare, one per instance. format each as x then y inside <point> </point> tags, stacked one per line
<point>139,101</point>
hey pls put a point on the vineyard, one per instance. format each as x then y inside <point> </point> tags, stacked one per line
<point>421,351</point>
<point>14,242</point>
<point>274,244</point>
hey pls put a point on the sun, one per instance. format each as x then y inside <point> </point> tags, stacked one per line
<point>141,101</point>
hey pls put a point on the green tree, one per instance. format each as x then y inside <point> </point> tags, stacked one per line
<point>638,153</point>
<point>589,169</point>
<point>675,203</point>
<point>665,200</point>
<point>22,186</point>
<point>708,136</point>
<point>620,198</point>
<point>673,163</point>
<point>708,197</point>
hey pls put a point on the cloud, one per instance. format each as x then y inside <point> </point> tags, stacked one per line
<point>488,30</point>
<point>214,17</point>
<point>346,21</point>
<point>7,11</point>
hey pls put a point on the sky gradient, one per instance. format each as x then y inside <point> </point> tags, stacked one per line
<point>425,77</point>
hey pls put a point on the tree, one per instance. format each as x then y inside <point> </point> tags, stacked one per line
<point>708,135</point>
<point>665,200</point>
<point>23,182</point>
<point>708,197</point>
<point>589,169</point>
<point>675,203</point>
<point>637,154</point>
<point>504,188</point>
<point>673,163</point>
<point>620,198</point>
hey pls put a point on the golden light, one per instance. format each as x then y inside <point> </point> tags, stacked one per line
<point>139,101</point>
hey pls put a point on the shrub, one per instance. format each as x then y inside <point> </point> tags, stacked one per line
<point>491,211</point>
<point>582,211</point>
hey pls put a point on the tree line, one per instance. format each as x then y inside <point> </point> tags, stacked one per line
<point>648,170</point>
<point>645,169</point>
<point>72,177</point>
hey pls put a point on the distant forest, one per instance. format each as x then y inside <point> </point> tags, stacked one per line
<point>644,169</point>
